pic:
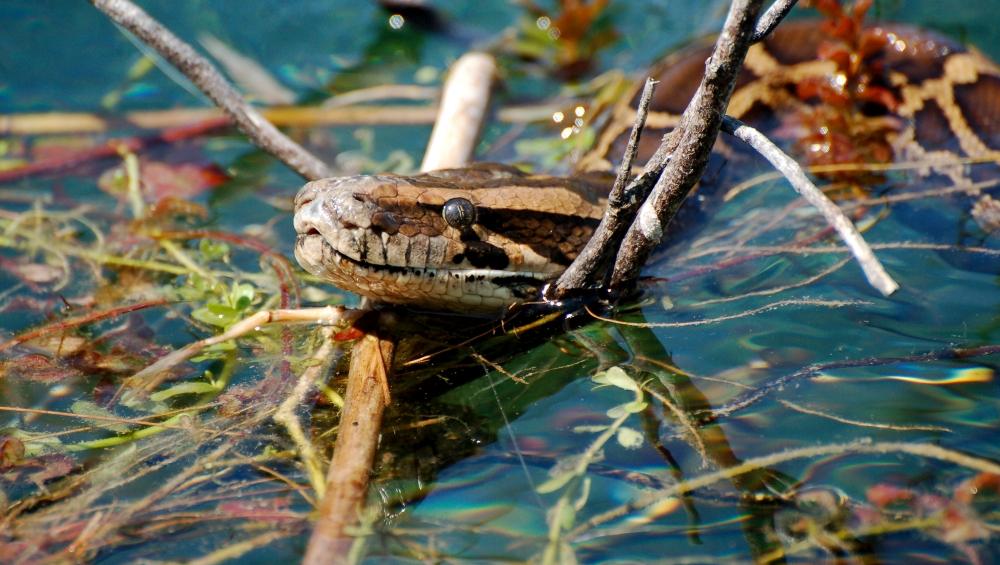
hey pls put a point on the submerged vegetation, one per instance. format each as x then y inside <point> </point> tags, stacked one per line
<point>757,402</point>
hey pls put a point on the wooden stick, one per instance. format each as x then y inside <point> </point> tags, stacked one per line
<point>357,440</point>
<point>52,123</point>
<point>586,268</point>
<point>691,142</point>
<point>463,108</point>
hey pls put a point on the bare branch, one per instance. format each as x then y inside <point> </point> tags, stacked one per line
<point>874,271</point>
<point>693,139</point>
<point>207,78</point>
<point>354,453</point>
<point>464,102</point>
<point>771,18</point>
<point>583,272</point>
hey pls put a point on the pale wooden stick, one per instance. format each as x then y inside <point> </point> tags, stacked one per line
<point>463,109</point>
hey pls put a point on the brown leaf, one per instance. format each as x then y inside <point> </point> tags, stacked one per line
<point>38,368</point>
<point>11,451</point>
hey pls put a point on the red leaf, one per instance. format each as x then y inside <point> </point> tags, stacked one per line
<point>185,180</point>
<point>883,495</point>
<point>350,334</point>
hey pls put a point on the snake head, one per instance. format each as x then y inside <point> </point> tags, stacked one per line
<point>445,240</point>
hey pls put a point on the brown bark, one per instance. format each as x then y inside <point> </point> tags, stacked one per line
<point>357,441</point>
<point>695,137</point>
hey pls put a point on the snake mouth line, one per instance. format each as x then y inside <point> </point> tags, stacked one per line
<point>496,277</point>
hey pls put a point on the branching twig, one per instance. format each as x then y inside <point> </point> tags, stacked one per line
<point>693,140</point>
<point>771,18</point>
<point>208,79</point>
<point>621,208</point>
<point>151,376</point>
<point>874,271</point>
<point>287,411</point>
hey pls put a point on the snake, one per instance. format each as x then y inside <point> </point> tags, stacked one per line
<point>480,238</point>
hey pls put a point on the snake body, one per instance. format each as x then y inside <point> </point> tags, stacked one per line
<point>483,237</point>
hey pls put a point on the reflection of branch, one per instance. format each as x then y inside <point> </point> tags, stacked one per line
<point>874,271</point>
<point>693,139</point>
<point>207,78</point>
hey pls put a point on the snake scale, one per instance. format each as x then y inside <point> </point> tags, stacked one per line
<point>480,238</point>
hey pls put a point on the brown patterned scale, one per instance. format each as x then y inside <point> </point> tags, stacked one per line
<point>483,237</point>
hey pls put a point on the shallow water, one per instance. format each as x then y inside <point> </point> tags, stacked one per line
<point>825,362</point>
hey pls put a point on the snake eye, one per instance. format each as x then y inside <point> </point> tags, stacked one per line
<point>459,213</point>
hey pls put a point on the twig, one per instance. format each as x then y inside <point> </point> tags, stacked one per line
<point>69,323</point>
<point>596,254</point>
<point>239,549</point>
<point>750,397</point>
<point>48,123</point>
<point>110,149</point>
<point>149,377</point>
<point>357,440</point>
<point>874,271</point>
<point>692,141</point>
<point>207,78</point>
<point>735,316</point>
<point>463,109</point>
<point>771,18</point>
<point>859,423</point>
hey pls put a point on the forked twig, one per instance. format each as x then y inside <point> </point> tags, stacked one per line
<point>150,377</point>
<point>622,204</point>
<point>690,144</point>
<point>287,417</point>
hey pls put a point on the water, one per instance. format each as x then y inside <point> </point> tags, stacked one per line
<point>463,461</point>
